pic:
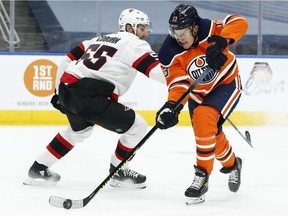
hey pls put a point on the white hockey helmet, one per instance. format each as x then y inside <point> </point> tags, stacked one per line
<point>134,17</point>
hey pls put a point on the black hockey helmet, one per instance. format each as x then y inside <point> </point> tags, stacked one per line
<point>183,16</point>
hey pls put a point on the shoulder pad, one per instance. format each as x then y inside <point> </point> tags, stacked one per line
<point>168,50</point>
<point>205,26</point>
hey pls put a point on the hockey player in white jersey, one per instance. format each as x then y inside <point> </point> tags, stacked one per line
<point>89,81</point>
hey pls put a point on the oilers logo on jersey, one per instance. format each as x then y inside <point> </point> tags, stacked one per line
<point>197,67</point>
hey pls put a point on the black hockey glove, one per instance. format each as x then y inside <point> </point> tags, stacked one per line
<point>55,102</point>
<point>166,117</point>
<point>214,54</point>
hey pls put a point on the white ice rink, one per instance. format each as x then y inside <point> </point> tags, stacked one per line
<point>166,159</point>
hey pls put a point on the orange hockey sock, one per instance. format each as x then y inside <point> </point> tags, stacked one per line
<point>205,119</point>
<point>223,151</point>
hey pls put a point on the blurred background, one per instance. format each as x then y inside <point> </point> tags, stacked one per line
<point>58,26</point>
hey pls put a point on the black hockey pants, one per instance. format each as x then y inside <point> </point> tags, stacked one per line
<point>87,102</point>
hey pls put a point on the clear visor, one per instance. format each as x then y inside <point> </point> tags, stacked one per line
<point>180,33</point>
<point>150,27</point>
<point>145,27</point>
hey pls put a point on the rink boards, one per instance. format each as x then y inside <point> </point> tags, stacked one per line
<point>27,88</point>
<point>40,117</point>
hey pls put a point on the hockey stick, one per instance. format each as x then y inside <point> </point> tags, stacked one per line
<point>246,137</point>
<point>74,204</point>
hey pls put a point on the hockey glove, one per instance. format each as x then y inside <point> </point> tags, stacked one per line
<point>167,117</point>
<point>55,103</point>
<point>214,54</point>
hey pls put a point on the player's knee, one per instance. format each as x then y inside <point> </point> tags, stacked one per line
<point>205,119</point>
<point>136,132</point>
<point>75,137</point>
<point>139,127</point>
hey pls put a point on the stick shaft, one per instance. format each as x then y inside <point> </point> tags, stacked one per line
<point>59,202</point>
<point>246,138</point>
<point>138,146</point>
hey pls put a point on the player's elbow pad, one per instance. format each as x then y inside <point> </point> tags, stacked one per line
<point>61,68</point>
<point>157,75</point>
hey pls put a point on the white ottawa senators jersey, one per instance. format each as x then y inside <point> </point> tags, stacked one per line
<point>114,58</point>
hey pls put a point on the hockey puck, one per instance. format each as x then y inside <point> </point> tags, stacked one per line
<point>67,204</point>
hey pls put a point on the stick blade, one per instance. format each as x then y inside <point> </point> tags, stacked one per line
<point>60,202</point>
<point>248,138</point>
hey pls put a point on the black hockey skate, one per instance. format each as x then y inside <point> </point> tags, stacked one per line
<point>196,192</point>
<point>39,174</point>
<point>127,178</point>
<point>235,174</point>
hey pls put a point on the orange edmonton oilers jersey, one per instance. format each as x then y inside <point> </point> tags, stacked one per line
<point>182,67</point>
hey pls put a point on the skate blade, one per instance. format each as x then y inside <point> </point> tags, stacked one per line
<point>128,185</point>
<point>38,182</point>
<point>195,200</point>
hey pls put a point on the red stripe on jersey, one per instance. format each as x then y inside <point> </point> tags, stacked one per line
<point>151,67</point>
<point>82,46</point>
<point>71,56</point>
<point>68,78</point>
<point>139,60</point>
<point>114,97</point>
<point>75,53</point>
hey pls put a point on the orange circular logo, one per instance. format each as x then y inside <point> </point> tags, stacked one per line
<point>39,77</point>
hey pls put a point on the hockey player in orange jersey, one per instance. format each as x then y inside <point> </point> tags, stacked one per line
<point>193,44</point>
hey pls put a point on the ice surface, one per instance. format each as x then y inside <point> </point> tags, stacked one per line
<point>166,159</point>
